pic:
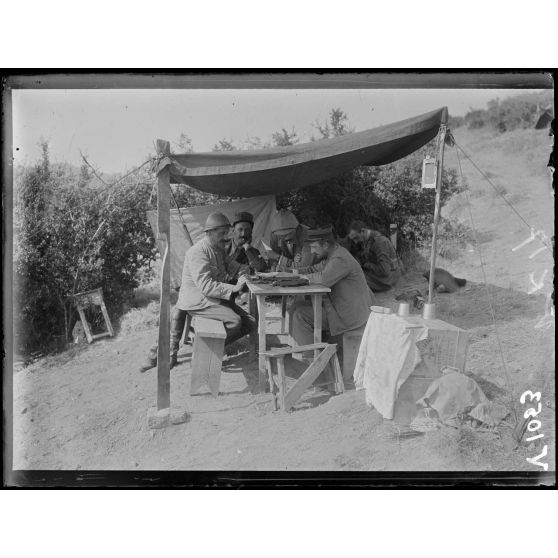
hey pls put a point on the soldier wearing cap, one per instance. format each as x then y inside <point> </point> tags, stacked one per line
<point>240,249</point>
<point>347,306</point>
<point>376,255</point>
<point>206,288</point>
<point>288,242</point>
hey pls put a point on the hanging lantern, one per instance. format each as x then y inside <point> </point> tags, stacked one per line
<point>429,172</point>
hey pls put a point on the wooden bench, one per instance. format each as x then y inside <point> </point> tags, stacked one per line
<point>285,398</point>
<point>186,331</point>
<point>351,346</point>
<point>207,355</point>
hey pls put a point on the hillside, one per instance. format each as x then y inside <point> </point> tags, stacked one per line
<point>87,408</point>
<point>516,164</point>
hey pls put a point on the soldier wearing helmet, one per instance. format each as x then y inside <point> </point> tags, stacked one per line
<point>206,288</point>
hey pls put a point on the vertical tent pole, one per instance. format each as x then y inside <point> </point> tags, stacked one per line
<point>440,156</point>
<point>163,221</point>
<point>186,231</point>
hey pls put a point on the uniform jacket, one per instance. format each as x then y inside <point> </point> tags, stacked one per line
<point>378,258</point>
<point>250,257</point>
<point>205,277</point>
<point>347,306</point>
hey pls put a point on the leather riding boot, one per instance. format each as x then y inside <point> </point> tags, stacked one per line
<point>177,328</point>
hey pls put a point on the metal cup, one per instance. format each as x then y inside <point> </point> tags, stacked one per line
<point>404,309</point>
<point>429,311</point>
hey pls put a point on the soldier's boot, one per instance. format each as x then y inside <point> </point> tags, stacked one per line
<point>177,328</point>
<point>151,359</point>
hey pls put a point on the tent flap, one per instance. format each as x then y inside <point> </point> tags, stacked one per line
<point>271,171</point>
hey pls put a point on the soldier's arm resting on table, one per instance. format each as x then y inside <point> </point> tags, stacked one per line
<point>334,270</point>
<point>312,268</point>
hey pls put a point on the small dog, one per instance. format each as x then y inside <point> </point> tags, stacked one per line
<point>444,281</point>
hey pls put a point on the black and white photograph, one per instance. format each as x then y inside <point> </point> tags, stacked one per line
<point>285,274</point>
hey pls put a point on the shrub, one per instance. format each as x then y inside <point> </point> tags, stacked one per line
<point>456,121</point>
<point>378,196</point>
<point>337,201</point>
<point>476,119</point>
<point>519,111</point>
<point>71,238</point>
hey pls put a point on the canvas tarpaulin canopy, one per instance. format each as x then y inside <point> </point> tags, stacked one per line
<point>262,208</point>
<point>270,171</point>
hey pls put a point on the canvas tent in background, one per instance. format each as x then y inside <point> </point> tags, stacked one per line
<point>261,207</point>
<point>251,173</point>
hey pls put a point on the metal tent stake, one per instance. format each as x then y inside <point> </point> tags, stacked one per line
<point>430,310</point>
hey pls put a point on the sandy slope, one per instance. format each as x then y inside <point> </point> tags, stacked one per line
<point>87,409</point>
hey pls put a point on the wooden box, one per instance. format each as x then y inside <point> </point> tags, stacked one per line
<point>445,345</point>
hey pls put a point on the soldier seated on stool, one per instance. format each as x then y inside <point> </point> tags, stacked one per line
<point>206,288</point>
<point>347,306</point>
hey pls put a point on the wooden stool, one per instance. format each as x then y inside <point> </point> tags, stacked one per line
<point>186,332</point>
<point>207,355</point>
<point>351,346</point>
<point>278,382</point>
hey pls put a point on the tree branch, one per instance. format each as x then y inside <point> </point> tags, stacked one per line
<point>94,171</point>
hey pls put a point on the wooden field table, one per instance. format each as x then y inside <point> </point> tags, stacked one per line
<point>258,292</point>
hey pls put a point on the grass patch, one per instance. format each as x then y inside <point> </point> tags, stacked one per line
<point>140,319</point>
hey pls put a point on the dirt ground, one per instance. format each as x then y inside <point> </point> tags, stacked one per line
<point>87,408</point>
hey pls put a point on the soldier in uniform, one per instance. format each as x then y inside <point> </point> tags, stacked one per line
<point>376,255</point>
<point>288,242</point>
<point>240,249</point>
<point>347,306</point>
<point>206,288</point>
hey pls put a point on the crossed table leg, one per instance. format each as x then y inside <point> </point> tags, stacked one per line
<point>258,310</point>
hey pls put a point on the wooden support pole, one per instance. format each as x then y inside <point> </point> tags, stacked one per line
<point>163,220</point>
<point>440,170</point>
<point>186,233</point>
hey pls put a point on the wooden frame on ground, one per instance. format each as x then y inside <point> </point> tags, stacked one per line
<point>85,300</point>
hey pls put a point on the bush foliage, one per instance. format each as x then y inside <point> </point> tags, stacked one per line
<point>71,238</point>
<point>519,111</point>
<point>379,196</point>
